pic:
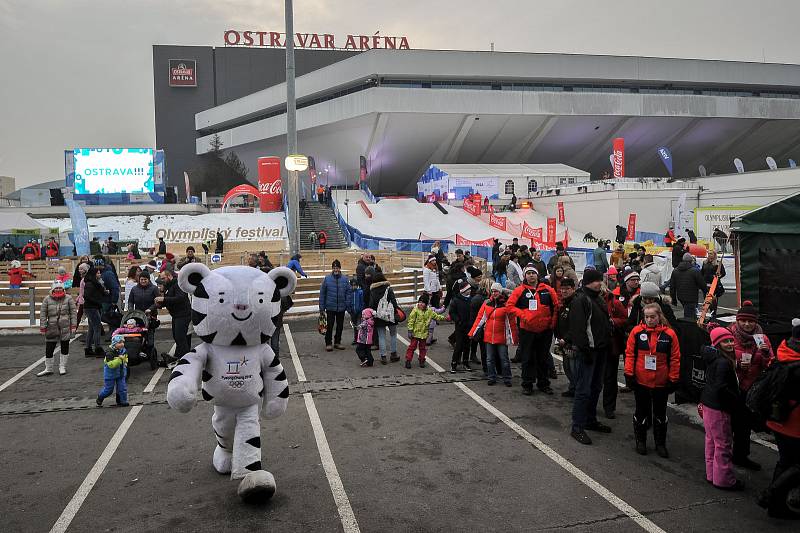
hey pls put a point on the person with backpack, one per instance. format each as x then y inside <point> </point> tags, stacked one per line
<point>753,355</point>
<point>322,238</point>
<point>717,402</point>
<point>652,370</point>
<point>786,475</point>
<point>334,299</point>
<point>383,301</point>
<point>535,304</point>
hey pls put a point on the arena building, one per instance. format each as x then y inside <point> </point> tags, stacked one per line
<point>403,110</point>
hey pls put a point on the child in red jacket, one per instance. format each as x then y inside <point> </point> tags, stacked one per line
<point>652,370</point>
<point>499,330</point>
<point>15,276</point>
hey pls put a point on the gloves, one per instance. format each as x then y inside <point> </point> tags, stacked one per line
<point>630,381</point>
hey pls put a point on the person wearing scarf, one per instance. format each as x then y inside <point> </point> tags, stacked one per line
<point>753,355</point>
<point>57,322</point>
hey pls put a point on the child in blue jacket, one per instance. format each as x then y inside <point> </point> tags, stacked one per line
<point>115,367</point>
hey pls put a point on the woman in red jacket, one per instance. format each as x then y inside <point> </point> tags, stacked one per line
<point>619,317</point>
<point>499,330</point>
<point>787,432</point>
<point>652,370</point>
<point>753,355</point>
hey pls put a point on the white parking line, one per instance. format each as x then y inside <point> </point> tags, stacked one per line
<point>74,505</point>
<point>33,365</point>
<point>753,438</point>
<point>298,368</point>
<point>348,518</point>
<point>579,474</point>
<point>77,500</point>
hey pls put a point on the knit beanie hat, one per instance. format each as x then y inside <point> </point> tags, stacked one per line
<point>612,271</point>
<point>530,268</point>
<point>590,276</point>
<point>796,328</point>
<point>632,275</point>
<point>720,334</point>
<point>57,285</point>
<point>498,287</point>
<point>474,272</point>
<point>748,311</point>
<point>15,264</point>
<point>424,299</point>
<point>336,264</point>
<point>430,258</point>
<point>649,289</point>
<point>117,338</point>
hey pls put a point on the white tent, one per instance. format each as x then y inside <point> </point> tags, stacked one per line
<point>18,220</point>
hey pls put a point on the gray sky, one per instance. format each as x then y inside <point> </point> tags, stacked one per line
<point>77,73</point>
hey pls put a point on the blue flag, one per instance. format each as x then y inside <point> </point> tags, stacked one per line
<point>792,164</point>
<point>80,228</point>
<point>666,158</point>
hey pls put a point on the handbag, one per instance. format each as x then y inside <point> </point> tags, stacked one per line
<point>399,315</point>
<point>322,326</point>
<point>112,317</point>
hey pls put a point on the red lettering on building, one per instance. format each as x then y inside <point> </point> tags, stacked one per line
<point>248,38</point>
<point>231,38</point>
<point>275,39</point>
<point>327,41</point>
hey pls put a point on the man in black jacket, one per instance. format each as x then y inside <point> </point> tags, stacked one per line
<point>685,284</point>
<point>563,345</point>
<point>162,247</point>
<point>177,303</point>
<point>678,249</point>
<point>590,332</point>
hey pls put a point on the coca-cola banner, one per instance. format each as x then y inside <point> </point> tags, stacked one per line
<point>551,230</point>
<point>473,208</point>
<point>561,212</point>
<point>269,184</point>
<point>531,233</point>
<point>497,222</point>
<point>631,236</point>
<point>619,157</point>
<point>463,241</point>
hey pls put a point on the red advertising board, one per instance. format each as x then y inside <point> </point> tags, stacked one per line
<point>561,219</point>
<point>462,241</point>
<point>472,208</point>
<point>619,157</point>
<point>238,191</point>
<point>631,236</point>
<point>269,184</point>
<point>551,230</point>
<point>497,222</point>
<point>531,233</point>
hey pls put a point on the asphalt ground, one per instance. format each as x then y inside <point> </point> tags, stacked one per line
<point>392,450</point>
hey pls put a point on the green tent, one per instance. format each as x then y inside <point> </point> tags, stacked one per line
<point>767,244</point>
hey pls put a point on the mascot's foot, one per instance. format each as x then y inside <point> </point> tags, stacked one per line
<point>257,487</point>
<point>222,460</point>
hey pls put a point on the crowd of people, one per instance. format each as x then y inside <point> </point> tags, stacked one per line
<point>618,310</point>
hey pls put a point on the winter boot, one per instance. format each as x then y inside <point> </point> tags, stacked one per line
<point>48,367</point>
<point>640,434</point>
<point>660,434</point>
<point>63,359</point>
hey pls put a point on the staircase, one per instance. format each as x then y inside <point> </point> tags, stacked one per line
<point>321,217</point>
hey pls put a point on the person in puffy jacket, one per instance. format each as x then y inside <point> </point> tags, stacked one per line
<point>365,331</point>
<point>379,286</point>
<point>650,271</point>
<point>686,284</point>
<point>430,281</point>
<point>753,355</point>
<point>649,294</point>
<point>335,298</point>
<point>652,370</point>
<point>717,402</point>
<point>94,295</point>
<point>499,330</point>
<point>115,368</point>
<point>535,304</point>
<point>419,320</point>
<point>787,432</point>
<point>57,322</point>
<point>15,276</point>
<point>619,317</point>
<point>294,265</point>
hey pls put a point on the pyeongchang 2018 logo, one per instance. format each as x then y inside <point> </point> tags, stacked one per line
<point>182,73</point>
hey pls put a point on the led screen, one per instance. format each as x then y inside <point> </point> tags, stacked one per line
<point>113,170</point>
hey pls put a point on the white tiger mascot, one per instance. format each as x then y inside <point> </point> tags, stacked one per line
<point>235,369</point>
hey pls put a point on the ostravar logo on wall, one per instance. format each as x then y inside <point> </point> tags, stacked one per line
<point>182,73</point>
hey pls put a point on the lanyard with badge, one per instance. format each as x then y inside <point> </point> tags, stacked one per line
<point>533,304</point>
<point>649,358</point>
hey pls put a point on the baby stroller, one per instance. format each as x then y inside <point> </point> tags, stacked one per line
<point>140,345</point>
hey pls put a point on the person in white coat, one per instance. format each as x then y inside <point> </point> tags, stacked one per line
<point>430,279</point>
<point>650,271</point>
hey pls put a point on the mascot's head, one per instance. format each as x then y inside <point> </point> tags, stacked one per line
<point>234,306</point>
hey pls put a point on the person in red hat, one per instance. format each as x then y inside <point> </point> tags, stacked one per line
<point>753,355</point>
<point>717,402</point>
